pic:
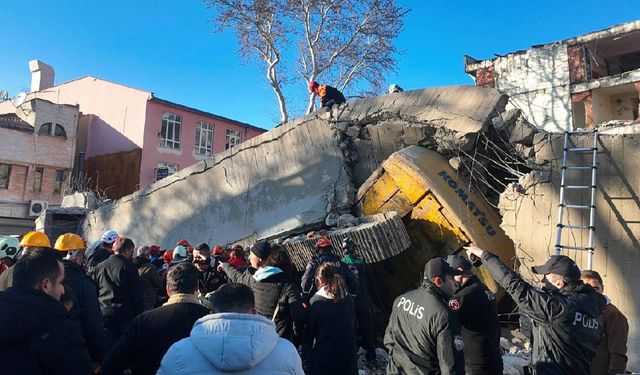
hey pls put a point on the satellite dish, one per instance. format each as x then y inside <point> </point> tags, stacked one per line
<point>3,95</point>
<point>19,99</point>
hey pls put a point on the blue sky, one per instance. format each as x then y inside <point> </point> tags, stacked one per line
<point>168,48</point>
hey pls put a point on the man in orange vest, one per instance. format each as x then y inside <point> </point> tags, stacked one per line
<point>328,95</point>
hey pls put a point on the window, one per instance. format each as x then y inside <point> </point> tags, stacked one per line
<point>5,173</point>
<point>204,139</point>
<point>165,169</point>
<point>37,179</point>
<point>45,129</point>
<point>233,138</point>
<point>170,131</point>
<point>59,131</point>
<point>59,178</point>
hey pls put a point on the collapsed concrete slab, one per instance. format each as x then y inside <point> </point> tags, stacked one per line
<point>300,175</point>
<point>530,211</point>
<point>287,178</point>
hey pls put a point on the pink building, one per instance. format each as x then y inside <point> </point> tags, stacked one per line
<point>134,138</point>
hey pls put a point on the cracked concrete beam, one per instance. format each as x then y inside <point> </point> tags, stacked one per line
<point>267,185</point>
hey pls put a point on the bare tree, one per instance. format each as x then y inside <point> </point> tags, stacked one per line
<point>344,42</point>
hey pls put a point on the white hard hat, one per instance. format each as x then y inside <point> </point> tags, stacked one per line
<point>180,252</point>
<point>109,236</point>
<point>9,247</point>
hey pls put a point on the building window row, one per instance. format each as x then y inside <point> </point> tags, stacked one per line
<point>38,176</point>
<point>170,135</point>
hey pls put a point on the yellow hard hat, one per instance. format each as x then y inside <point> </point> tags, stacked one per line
<point>68,242</point>
<point>35,239</point>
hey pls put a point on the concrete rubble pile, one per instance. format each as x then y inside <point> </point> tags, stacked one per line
<point>305,175</point>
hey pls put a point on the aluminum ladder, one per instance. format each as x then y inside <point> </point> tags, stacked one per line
<point>567,151</point>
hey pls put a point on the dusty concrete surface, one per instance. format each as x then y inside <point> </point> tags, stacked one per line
<point>301,174</point>
<point>284,179</point>
<point>530,211</point>
<point>446,119</point>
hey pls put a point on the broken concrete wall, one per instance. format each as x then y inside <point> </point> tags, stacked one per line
<point>446,119</point>
<point>530,211</point>
<point>287,178</point>
<point>299,175</point>
<point>537,82</point>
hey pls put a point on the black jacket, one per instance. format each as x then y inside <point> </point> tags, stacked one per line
<point>277,289</point>
<point>119,291</point>
<point>423,335</point>
<point>329,342</point>
<point>99,255</point>
<point>151,284</point>
<point>308,278</point>
<point>210,281</point>
<point>330,96</point>
<point>566,324</point>
<point>38,336</point>
<point>150,335</point>
<point>477,311</point>
<point>86,308</point>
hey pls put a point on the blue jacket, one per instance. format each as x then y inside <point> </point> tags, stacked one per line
<point>232,342</point>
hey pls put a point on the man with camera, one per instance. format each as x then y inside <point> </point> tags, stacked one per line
<point>210,278</point>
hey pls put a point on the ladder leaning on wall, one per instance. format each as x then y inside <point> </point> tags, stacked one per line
<point>567,152</point>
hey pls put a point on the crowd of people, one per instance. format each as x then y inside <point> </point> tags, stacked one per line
<point>113,308</point>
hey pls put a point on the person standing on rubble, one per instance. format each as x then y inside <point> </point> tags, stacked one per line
<point>611,355</point>
<point>566,328</point>
<point>423,335</point>
<point>328,95</point>
<point>323,254</point>
<point>477,311</point>
<point>361,301</point>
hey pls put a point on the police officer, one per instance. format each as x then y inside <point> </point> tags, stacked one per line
<point>566,328</point>
<point>423,335</point>
<point>478,314</point>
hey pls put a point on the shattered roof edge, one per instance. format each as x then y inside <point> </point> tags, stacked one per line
<point>614,30</point>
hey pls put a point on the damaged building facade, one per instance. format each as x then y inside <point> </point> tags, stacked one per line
<point>309,172</point>
<point>459,165</point>
<point>577,83</point>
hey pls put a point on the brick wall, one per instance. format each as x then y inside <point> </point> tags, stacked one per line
<point>485,77</point>
<point>577,71</point>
